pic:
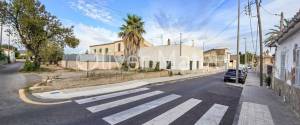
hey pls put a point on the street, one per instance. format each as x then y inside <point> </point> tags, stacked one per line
<point>205,100</point>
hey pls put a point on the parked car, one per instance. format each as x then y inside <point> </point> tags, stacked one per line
<point>230,75</point>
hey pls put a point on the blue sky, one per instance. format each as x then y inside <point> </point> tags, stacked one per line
<point>212,22</point>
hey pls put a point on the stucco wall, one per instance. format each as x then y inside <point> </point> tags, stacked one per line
<point>287,46</point>
<point>171,53</point>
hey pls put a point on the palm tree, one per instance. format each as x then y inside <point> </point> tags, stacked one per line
<point>273,34</point>
<point>132,36</point>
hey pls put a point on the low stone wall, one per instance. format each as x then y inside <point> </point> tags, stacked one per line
<point>290,94</point>
<point>81,65</point>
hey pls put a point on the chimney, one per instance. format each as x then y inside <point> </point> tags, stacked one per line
<point>281,22</point>
<point>169,42</point>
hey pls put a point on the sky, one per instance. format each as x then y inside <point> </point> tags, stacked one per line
<point>205,23</point>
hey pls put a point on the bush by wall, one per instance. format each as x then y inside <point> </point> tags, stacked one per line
<point>29,66</point>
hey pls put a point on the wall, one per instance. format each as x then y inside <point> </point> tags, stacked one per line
<point>287,47</point>
<point>113,48</point>
<point>171,53</point>
<point>283,85</point>
<point>83,65</point>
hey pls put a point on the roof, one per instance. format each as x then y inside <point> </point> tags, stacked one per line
<point>145,42</point>
<point>219,51</point>
<point>286,31</point>
<point>106,43</point>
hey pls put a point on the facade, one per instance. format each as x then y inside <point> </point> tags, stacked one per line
<point>114,49</point>
<point>268,62</point>
<point>286,75</point>
<point>232,62</point>
<point>217,58</point>
<point>10,54</point>
<point>168,57</point>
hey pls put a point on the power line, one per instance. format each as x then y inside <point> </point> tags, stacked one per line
<point>269,12</point>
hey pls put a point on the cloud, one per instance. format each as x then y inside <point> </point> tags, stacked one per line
<point>89,35</point>
<point>94,10</point>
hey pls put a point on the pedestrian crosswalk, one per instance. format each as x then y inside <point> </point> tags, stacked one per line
<point>213,116</point>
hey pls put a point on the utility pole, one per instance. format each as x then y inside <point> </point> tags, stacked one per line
<point>246,59</point>
<point>281,22</point>
<point>9,33</point>
<point>258,2</point>
<point>180,46</point>
<point>203,46</point>
<point>238,45</point>
<point>250,19</point>
<point>1,30</point>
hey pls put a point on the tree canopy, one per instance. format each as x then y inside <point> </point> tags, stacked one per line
<point>35,27</point>
<point>132,35</point>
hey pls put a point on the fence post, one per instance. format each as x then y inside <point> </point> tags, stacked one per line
<point>87,69</point>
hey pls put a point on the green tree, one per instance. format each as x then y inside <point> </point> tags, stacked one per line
<point>35,27</point>
<point>132,35</point>
<point>52,53</point>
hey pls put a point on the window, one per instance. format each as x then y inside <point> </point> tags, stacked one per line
<point>106,50</point>
<point>197,64</point>
<point>191,65</point>
<point>119,47</point>
<point>169,64</point>
<point>150,64</point>
<point>95,50</point>
<point>100,50</point>
<point>282,65</point>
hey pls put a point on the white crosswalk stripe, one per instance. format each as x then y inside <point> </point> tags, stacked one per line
<point>174,113</point>
<point>109,105</point>
<point>102,97</point>
<point>213,116</point>
<point>124,115</point>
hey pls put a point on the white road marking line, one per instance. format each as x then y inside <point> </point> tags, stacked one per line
<point>255,114</point>
<point>109,105</point>
<point>102,97</point>
<point>129,113</point>
<point>213,116</point>
<point>174,113</point>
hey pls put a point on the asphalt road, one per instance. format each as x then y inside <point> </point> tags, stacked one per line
<point>182,102</point>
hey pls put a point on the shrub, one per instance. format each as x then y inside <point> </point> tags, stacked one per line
<point>29,66</point>
<point>2,55</point>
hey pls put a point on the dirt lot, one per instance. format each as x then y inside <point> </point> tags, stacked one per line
<point>55,77</point>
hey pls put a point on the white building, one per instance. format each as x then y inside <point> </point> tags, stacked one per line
<point>286,80</point>
<point>10,54</point>
<point>171,57</point>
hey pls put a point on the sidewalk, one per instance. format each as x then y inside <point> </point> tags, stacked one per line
<point>261,106</point>
<point>102,89</point>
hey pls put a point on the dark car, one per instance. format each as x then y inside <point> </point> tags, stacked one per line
<point>230,75</point>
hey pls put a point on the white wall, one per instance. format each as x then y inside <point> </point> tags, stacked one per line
<point>286,46</point>
<point>11,55</point>
<point>171,53</point>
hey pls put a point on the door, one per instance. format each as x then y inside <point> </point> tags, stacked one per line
<point>191,65</point>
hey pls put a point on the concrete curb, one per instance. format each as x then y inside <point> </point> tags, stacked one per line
<point>24,98</point>
<point>103,89</point>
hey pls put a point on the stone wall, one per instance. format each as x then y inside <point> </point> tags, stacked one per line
<point>290,94</point>
<point>81,65</point>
